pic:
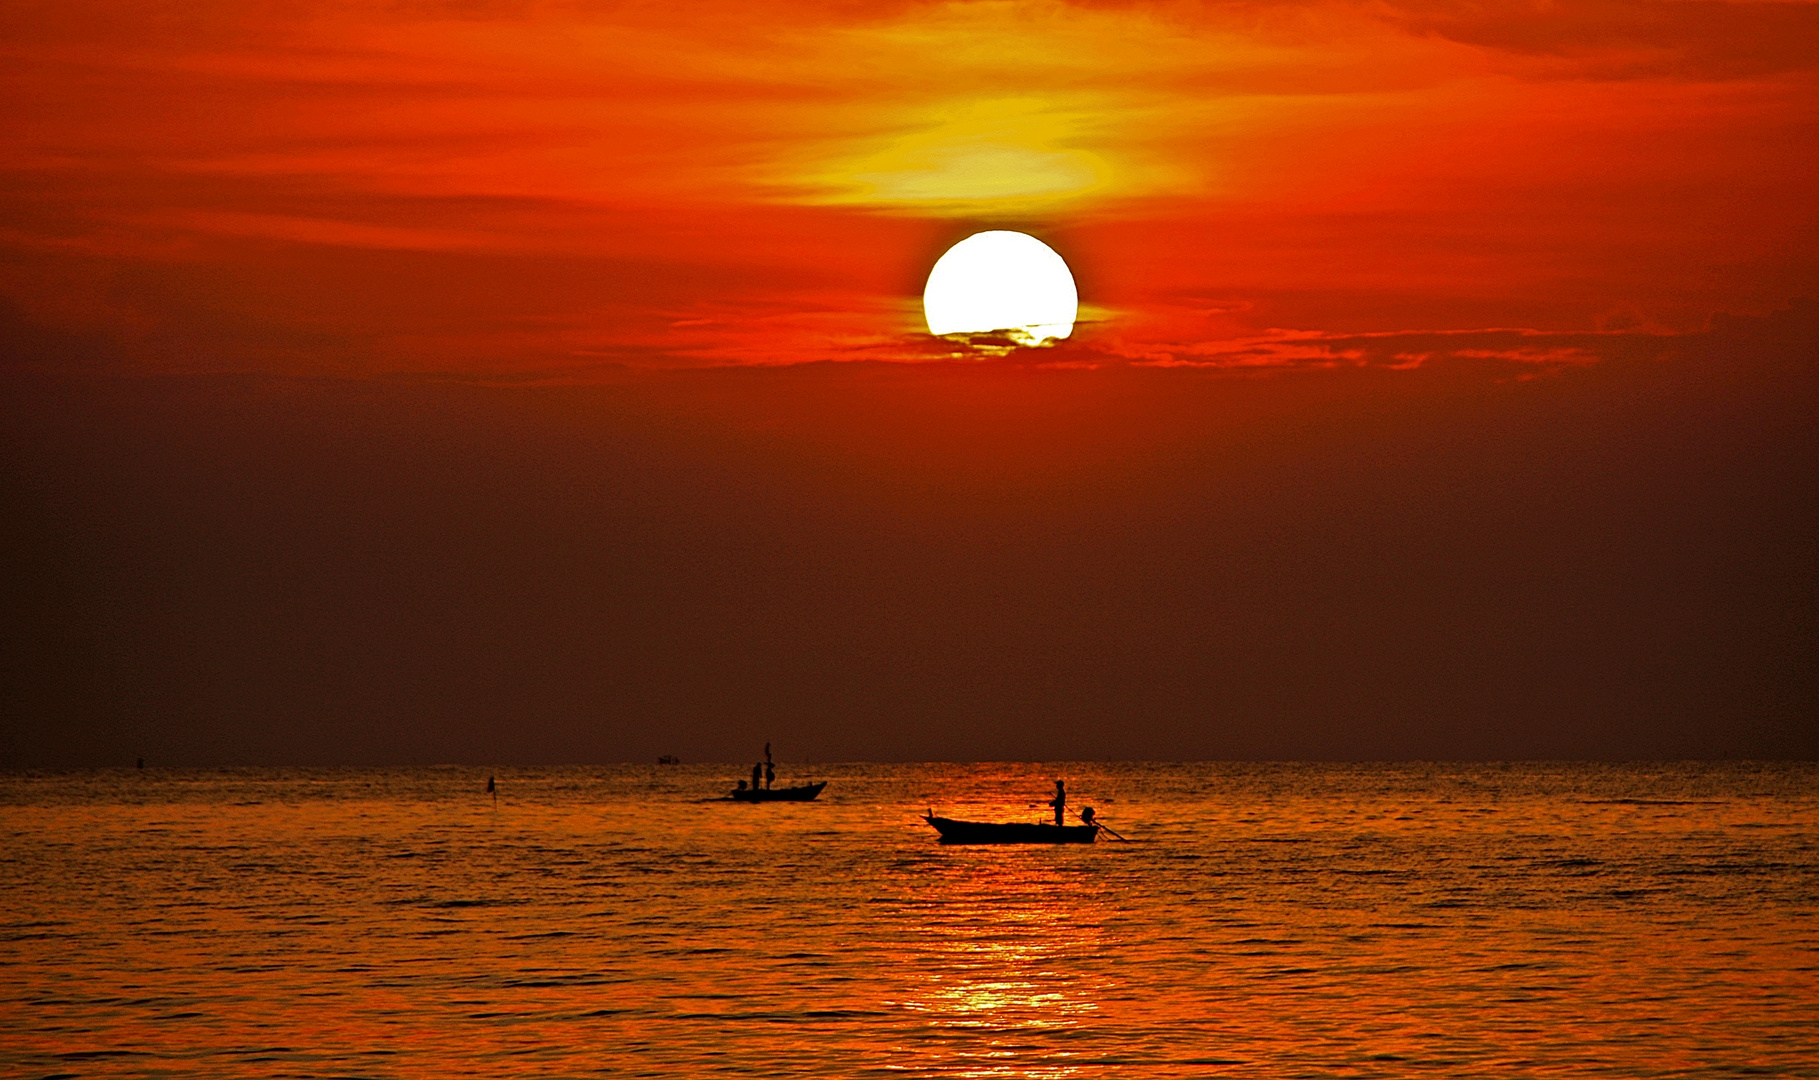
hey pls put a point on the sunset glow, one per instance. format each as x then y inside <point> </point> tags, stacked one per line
<point>1405,348</point>
<point>775,176</point>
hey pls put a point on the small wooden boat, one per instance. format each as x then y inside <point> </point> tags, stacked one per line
<point>991,832</point>
<point>802,793</point>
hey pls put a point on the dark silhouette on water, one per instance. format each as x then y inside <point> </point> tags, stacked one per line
<point>800,793</point>
<point>955,831</point>
<point>763,789</point>
<point>492,790</point>
<point>1086,815</point>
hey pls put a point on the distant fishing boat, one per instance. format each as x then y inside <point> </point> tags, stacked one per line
<point>761,790</point>
<point>1009,832</point>
<point>802,793</point>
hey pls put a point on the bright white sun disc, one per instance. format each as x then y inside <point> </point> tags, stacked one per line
<point>1001,281</point>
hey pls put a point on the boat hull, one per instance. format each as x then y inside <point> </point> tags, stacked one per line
<point>992,832</point>
<point>804,793</point>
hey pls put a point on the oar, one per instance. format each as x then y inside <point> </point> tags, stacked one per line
<point>1101,825</point>
<point>1095,821</point>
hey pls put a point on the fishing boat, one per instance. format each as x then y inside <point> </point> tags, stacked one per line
<point>801,793</point>
<point>1009,832</point>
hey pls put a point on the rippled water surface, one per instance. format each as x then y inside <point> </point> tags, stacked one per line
<point>1268,921</point>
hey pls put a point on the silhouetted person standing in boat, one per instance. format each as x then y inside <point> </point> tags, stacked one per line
<point>1059,802</point>
<point>757,775</point>
<point>770,774</point>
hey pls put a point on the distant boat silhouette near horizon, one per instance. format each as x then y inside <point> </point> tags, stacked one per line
<point>800,793</point>
<point>763,774</point>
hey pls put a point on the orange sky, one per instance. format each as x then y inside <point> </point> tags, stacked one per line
<point>538,190</point>
<point>547,381</point>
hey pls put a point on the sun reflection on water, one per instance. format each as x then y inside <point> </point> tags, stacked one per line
<point>1001,987</point>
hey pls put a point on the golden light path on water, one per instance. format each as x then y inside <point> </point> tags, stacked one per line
<point>1002,969</point>
<point>1560,920</point>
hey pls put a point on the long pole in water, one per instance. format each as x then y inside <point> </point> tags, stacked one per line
<point>1101,825</point>
<point>1095,821</point>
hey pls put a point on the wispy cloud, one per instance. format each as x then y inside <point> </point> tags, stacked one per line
<point>1534,350</point>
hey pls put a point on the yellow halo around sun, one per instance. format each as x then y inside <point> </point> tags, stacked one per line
<point>1001,281</point>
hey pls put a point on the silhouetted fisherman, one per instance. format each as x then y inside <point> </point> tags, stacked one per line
<point>492,790</point>
<point>1059,802</point>
<point>757,775</point>
<point>770,774</point>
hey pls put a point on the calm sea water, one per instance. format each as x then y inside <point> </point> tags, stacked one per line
<point>1266,921</point>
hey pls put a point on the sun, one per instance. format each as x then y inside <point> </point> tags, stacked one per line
<point>1001,281</point>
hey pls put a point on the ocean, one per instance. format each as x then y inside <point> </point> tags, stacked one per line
<point>1264,920</point>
